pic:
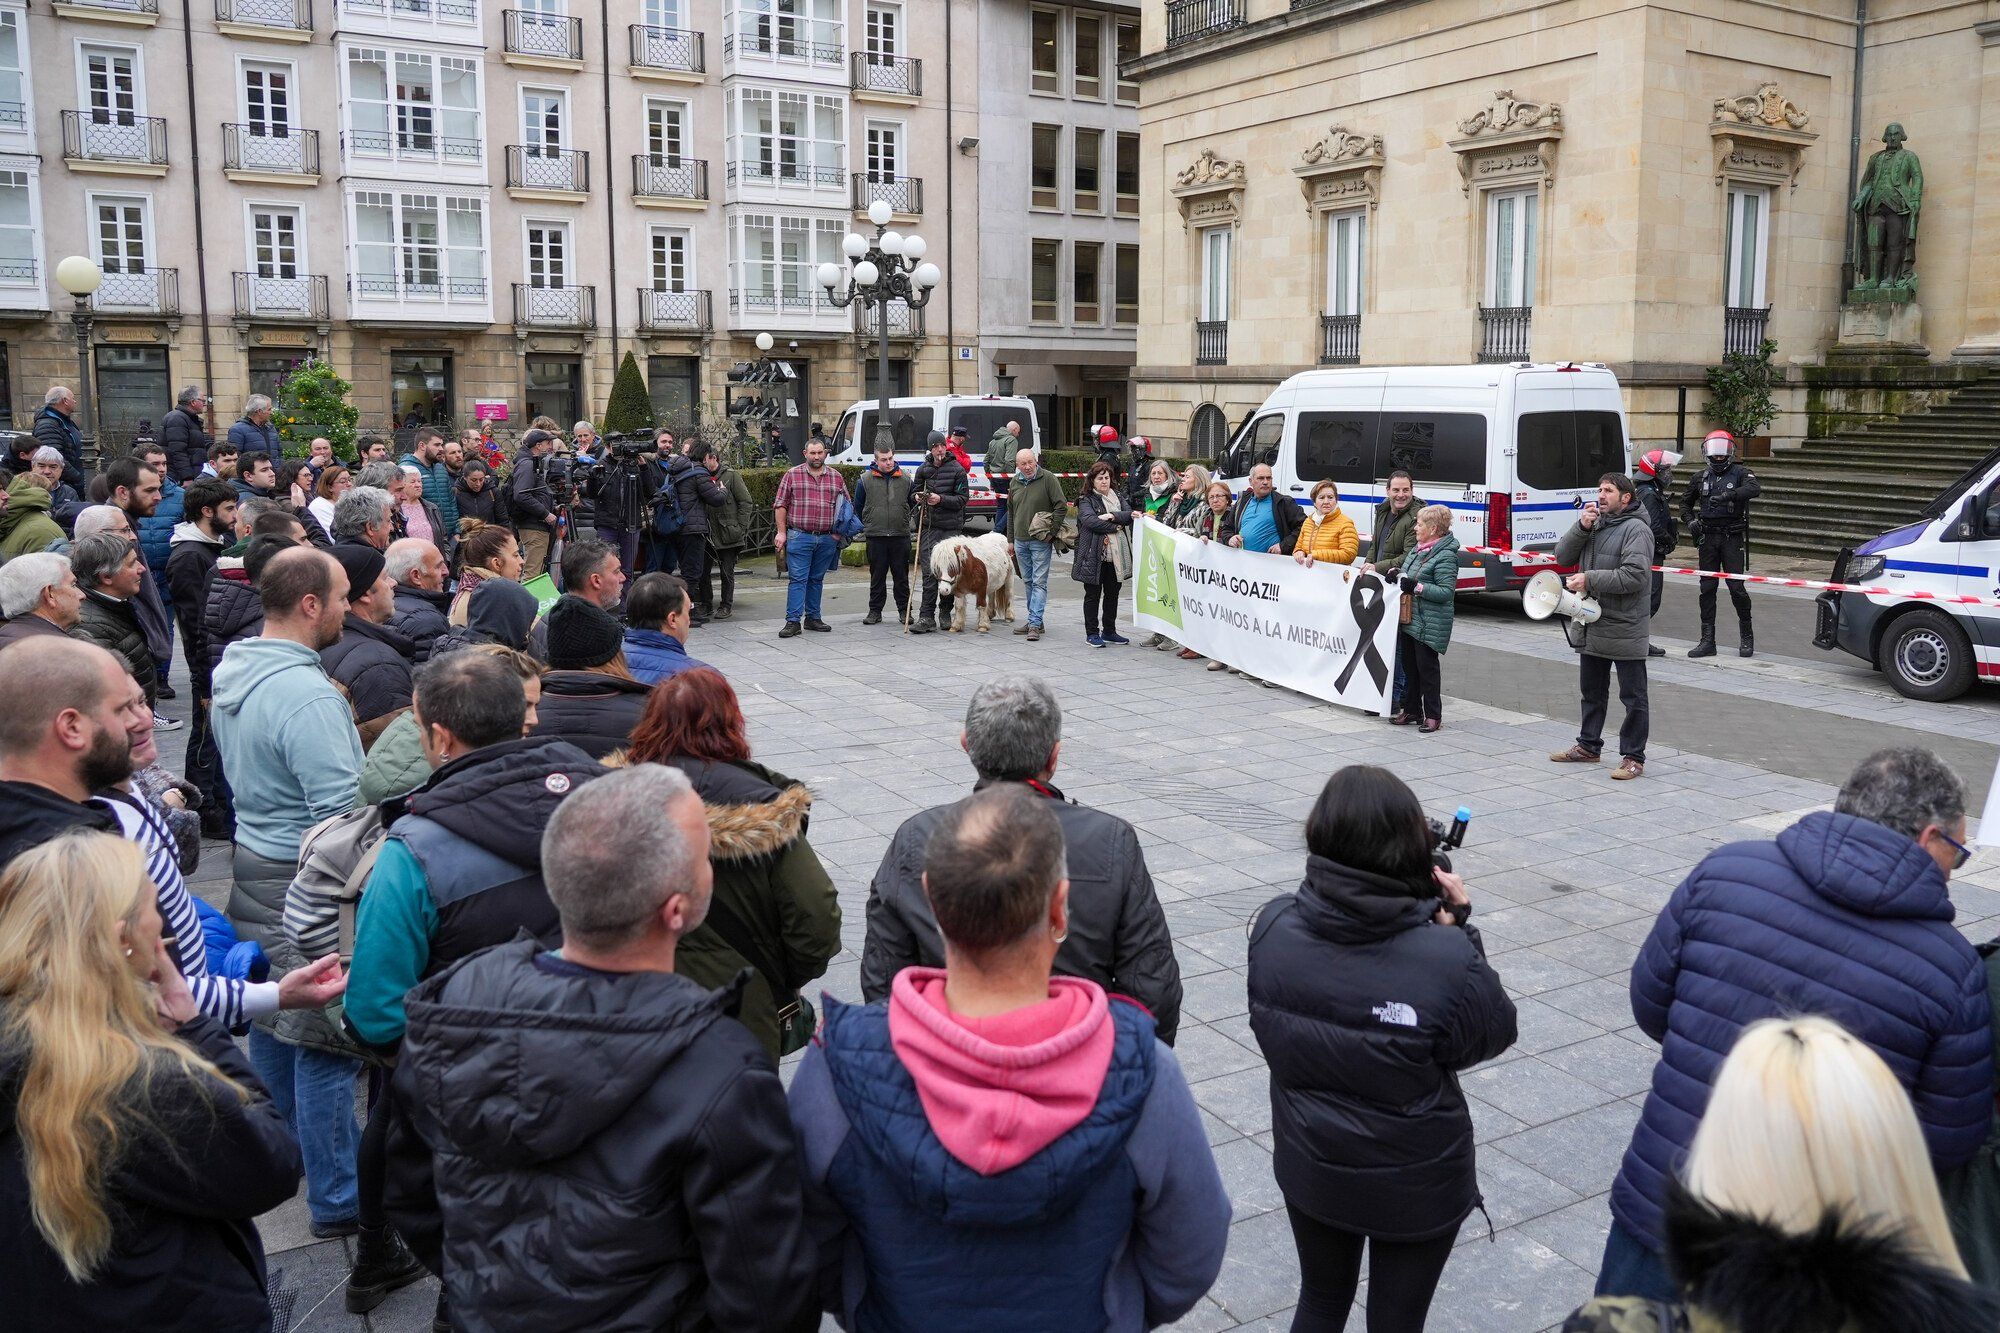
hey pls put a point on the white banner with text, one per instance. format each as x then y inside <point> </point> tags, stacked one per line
<point>1328,631</point>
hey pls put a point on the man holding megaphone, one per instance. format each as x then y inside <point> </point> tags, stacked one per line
<point>1611,549</point>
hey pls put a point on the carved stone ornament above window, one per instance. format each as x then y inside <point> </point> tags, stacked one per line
<point>1341,170</point>
<point>1760,137</point>
<point>1210,190</point>
<point>1509,142</point>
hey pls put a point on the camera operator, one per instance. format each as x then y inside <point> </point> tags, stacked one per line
<point>621,488</point>
<point>535,502</point>
<point>1375,929</point>
<point>694,491</point>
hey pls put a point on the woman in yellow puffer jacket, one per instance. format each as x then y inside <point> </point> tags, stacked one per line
<point>1329,534</point>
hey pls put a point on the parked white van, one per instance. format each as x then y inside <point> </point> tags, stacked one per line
<point>911,421</point>
<point>1928,650</point>
<point>1513,451</point>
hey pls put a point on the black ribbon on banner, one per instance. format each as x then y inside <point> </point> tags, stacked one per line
<point>1368,614</point>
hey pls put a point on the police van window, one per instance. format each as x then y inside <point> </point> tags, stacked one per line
<point>1559,451</point>
<point>908,432</point>
<point>982,420</point>
<point>1339,446</point>
<point>1436,448</point>
<point>1266,434</point>
<point>843,433</point>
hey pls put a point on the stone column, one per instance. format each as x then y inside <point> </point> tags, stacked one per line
<point>1982,279</point>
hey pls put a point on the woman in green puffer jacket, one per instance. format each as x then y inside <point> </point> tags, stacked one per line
<point>1430,577</point>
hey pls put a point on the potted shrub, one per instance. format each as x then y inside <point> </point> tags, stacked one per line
<point>1739,398</point>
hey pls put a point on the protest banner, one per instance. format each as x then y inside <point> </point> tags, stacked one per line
<point>545,592</point>
<point>1328,631</point>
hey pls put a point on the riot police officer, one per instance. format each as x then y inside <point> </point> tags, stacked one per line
<point>1716,508</point>
<point>1651,482</point>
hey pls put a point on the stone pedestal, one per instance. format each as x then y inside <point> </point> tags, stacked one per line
<point>1880,331</point>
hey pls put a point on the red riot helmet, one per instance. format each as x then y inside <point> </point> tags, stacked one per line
<point>1656,463</point>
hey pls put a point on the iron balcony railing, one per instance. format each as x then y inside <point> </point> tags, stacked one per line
<point>874,72</point>
<point>414,145</point>
<point>114,136</point>
<point>550,36</point>
<point>1339,340</point>
<point>1504,332</point>
<point>555,307</point>
<point>20,273</point>
<point>262,296</point>
<point>903,194</point>
<point>668,176</point>
<point>680,49</point>
<point>903,321</point>
<point>454,11</point>
<point>420,281</point>
<point>13,115</point>
<point>532,168</point>
<point>1211,342</point>
<point>783,47</point>
<point>783,174</point>
<point>282,150</point>
<point>136,290</point>
<point>1192,20</point>
<point>295,15</point>
<point>1743,329</point>
<point>675,312</point>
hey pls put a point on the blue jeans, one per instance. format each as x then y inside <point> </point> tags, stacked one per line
<point>1035,560</point>
<point>314,1091</point>
<point>1630,1269</point>
<point>808,555</point>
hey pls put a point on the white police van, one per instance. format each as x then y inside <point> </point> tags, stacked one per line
<point>1927,650</point>
<point>1513,451</point>
<point>911,421</point>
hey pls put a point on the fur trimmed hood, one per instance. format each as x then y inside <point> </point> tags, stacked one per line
<point>752,811</point>
<point>1844,1277</point>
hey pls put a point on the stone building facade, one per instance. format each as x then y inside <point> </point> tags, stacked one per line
<point>1645,185</point>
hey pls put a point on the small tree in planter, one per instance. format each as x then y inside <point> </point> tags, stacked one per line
<point>1739,392</point>
<point>312,400</point>
<point>630,409</point>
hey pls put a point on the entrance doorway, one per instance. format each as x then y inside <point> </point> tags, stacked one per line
<point>420,389</point>
<point>554,389</point>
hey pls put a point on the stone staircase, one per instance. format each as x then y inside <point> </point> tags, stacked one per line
<point>1850,486</point>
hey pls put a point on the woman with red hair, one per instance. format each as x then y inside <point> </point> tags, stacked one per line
<point>774,909</point>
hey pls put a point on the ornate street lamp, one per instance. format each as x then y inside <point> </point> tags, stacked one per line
<point>80,277</point>
<point>890,268</point>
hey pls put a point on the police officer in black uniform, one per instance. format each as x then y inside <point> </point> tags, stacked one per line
<point>1716,509</point>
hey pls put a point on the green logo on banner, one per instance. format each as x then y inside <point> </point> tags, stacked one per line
<point>1159,591</point>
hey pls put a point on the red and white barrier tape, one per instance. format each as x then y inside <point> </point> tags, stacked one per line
<point>1948,599</point>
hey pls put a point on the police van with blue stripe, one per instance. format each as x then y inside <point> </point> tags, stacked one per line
<point>1514,451</point>
<point>1928,650</point>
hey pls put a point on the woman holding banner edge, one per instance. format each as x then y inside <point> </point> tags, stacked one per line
<point>1430,578</point>
<point>1103,561</point>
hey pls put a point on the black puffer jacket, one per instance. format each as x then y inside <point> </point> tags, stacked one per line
<point>113,624</point>
<point>420,617</point>
<point>604,1150</point>
<point>695,489</point>
<point>593,712</point>
<point>1117,932</point>
<point>372,663</point>
<point>1366,1010</point>
<point>233,611</point>
<point>946,480</point>
<point>623,496</point>
<point>186,443</point>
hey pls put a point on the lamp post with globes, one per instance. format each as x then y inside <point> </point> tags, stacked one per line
<point>80,277</point>
<point>890,268</point>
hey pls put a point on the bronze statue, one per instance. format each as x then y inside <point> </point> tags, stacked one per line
<point>1890,198</point>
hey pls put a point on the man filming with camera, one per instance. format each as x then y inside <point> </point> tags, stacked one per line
<point>534,500</point>
<point>622,488</point>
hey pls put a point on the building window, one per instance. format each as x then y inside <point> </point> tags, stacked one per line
<point>790,30</point>
<point>883,33</point>
<point>1346,237</point>
<point>17,232</point>
<point>672,259</point>
<point>275,243</point>
<point>1045,40</point>
<point>1215,244</point>
<point>885,162</point>
<point>666,131</point>
<point>131,385</point>
<point>1510,248</point>
<point>13,83</point>
<point>1128,51</point>
<point>554,388</point>
<point>413,105</point>
<point>1746,245</point>
<point>420,387</point>
<point>267,99</point>
<point>1125,285</point>
<point>1045,280</point>
<point>548,254</point>
<point>1087,62</point>
<point>543,111</point>
<point>1089,172</point>
<point>674,384</point>
<point>787,139</point>
<point>111,84</point>
<point>1208,431</point>
<point>1046,167</point>
<point>772,261</point>
<point>1086,305</point>
<point>268,370</point>
<point>419,247</point>
<point>1128,176</point>
<point>121,234</point>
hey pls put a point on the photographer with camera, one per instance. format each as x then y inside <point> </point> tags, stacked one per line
<point>535,502</point>
<point>622,488</point>
<point>1374,1145</point>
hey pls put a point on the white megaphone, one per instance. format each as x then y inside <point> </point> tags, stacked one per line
<point>1545,596</point>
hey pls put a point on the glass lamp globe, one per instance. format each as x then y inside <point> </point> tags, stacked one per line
<point>927,275</point>
<point>78,276</point>
<point>866,274</point>
<point>914,248</point>
<point>829,276</point>
<point>891,242</point>
<point>764,342</point>
<point>879,212</point>
<point>853,246</point>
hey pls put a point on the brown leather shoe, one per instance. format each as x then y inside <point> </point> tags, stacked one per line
<point>1022,629</point>
<point>1627,769</point>
<point>1575,754</point>
<point>1034,633</point>
<point>1189,655</point>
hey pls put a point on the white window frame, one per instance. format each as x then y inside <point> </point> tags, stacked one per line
<point>558,98</point>
<point>1064,145</point>
<point>18,18</point>
<point>414,14</point>
<point>664,14</point>
<point>1103,251</point>
<point>1061,278</point>
<point>445,203</point>
<point>138,55</point>
<point>810,153</point>
<point>148,240</point>
<point>244,66</point>
<point>564,265</point>
<point>899,142</point>
<point>654,276</point>
<point>31,183</point>
<point>1744,198</point>
<point>398,110</point>
<point>872,30</point>
<point>1124,94</point>
<point>1078,90</point>
<point>678,155</point>
<point>1076,159</point>
<point>789,285</point>
<point>789,31</point>
<point>1345,236</point>
<point>1212,297</point>
<point>1520,248</point>
<point>251,208</point>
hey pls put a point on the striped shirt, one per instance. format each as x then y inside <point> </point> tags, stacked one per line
<point>229,1002</point>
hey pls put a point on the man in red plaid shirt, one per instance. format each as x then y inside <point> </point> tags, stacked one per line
<point>807,497</point>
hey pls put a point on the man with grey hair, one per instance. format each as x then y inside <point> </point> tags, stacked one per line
<point>1845,914</point>
<point>1119,939</point>
<point>254,433</point>
<point>38,597</point>
<point>55,426</point>
<point>185,439</point>
<point>48,466</point>
<point>362,516</point>
<point>108,569</point>
<point>671,1123</point>
<point>423,607</point>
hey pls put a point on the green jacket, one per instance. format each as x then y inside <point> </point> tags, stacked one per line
<point>26,526</point>
<point>1437,570</point>
<point>883,502</point>
<point>395,763</point>
<point>1000,452</point>
<point>728,524</point>
<point>1043,494</point>
<point>1389,544</point>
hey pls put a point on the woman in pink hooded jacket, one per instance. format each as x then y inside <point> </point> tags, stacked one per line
<point>994,1148</point>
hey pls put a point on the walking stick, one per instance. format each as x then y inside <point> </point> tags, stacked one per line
<point>916,570</point>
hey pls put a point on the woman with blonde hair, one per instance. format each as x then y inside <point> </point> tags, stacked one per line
<point>1329,535</point>
<point>1807,1205</point>
<point>138,1144</point>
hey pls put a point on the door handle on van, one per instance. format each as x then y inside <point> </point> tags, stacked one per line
<point>1297,486</point>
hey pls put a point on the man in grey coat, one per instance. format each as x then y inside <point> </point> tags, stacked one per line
<point>1611,549</point>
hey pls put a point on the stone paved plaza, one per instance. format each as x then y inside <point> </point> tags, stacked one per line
<point>1566,870</point>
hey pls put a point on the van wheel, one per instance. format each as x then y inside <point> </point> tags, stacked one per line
<point>1927,656</point>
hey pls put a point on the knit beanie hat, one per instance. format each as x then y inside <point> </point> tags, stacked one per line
<point>363,564</point>
<point>582,634</point>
